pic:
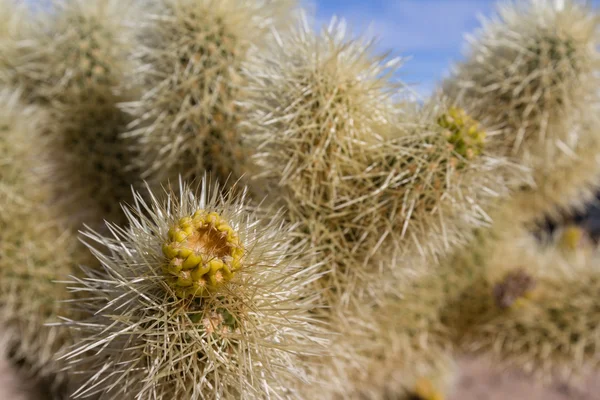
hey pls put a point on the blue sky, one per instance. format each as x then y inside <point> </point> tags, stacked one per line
<point>430,32</point>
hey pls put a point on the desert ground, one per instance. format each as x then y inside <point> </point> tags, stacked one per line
<point>479,381</point>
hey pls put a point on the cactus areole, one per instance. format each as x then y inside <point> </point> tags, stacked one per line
<point>202,253</point>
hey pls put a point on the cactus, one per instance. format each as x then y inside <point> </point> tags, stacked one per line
<point>189,61</point>
<point>314,102</point>
<point>401,239</point>
<point>356,172</point>
<point>36,249</point>
<point>198,299</point>
<point>530,78</point>
<point>72,64</point>
<point>550,325</point>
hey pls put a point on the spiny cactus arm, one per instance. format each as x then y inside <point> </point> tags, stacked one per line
<point>189,59</point>
<point>315,100</point>
<point>321,111</point>
<point>442,181</point>
<point>73,49</point>
<point>73,65</point>
<point>198,298</point>
<point>537,309</point>
<point>528,67</point>
<point>530,79</point>
<point>36,250</point>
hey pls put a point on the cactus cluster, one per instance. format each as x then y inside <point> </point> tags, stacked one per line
<point>305,230</point>
<point>355,170</point>
<point>71,62</point>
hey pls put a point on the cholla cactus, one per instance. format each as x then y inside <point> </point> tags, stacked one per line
<point>353,171</point>
<point>531,78</point>
<point>76,51</point>
<point>397,347</point>
<point>35,249</point>
<point>541,313</point>
<point>198,299</point>
<point>73,63</point>
<point>314,103</point>
<point>504,295</point>
<point>444,181</point>
<point>189,69</point>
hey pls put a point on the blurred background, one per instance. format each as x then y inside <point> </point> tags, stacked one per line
<point>428,33</point>
<point>430,36</point>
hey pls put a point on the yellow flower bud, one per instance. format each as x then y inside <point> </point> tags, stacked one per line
<point>203,253</point>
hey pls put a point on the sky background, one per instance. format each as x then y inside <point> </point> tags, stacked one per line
<point>429,32</point>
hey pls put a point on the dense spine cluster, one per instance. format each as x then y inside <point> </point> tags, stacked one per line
<point>353,169</point>
<point>230,320</point>
<point>531,77</point>
<point>189,68</point>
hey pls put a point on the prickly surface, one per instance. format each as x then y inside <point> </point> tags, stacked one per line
<point>72,62</point>
<point>530,79</point>
<point>189,58</point>
<point>527,68</point>
<point>35,248</point>
<point>249,336</point>
<point>354,173</point>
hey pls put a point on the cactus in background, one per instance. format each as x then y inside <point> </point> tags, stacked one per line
<point>35,248</point>
<point>198,299</point>
<point>76,51</point>
<point>531,78</point>
<point>504,295</point>
<point>72,63</point>
<point>189,63</point>
<point>540,313</point>
<point>396,346</point>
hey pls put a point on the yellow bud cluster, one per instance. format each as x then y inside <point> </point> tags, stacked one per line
<point>462,132</point>
<point>203,252</point>
<point>572,238</point>
<point>424,390</point>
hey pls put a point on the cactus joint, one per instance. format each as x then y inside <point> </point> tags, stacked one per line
<point>514,286</point>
